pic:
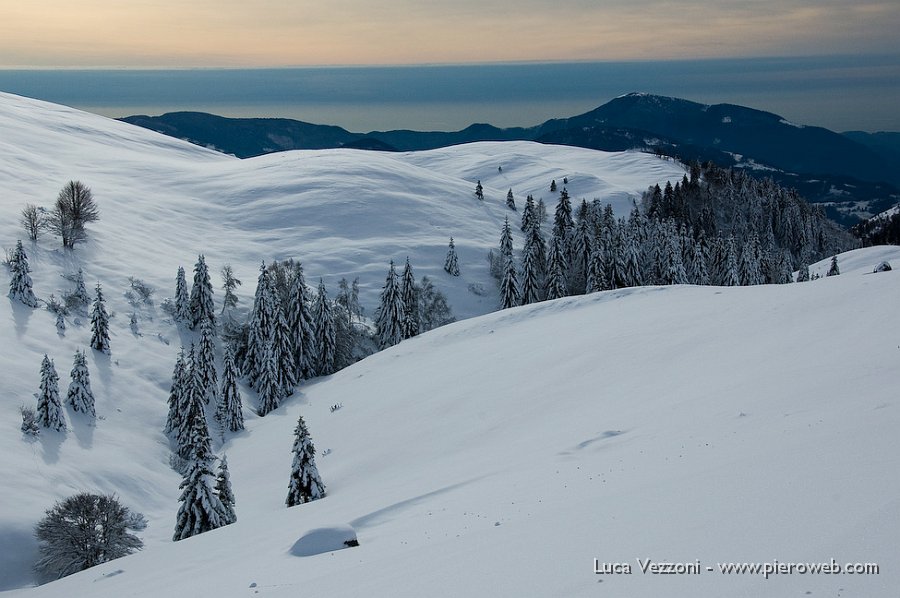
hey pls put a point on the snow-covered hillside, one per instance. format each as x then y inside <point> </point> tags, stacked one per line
<point>497,456</point>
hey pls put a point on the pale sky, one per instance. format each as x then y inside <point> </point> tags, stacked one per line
<point>250,33</point>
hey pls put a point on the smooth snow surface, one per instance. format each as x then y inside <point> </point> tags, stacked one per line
<point>497,456</point>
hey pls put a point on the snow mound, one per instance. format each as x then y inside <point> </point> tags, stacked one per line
<point>325,539</point>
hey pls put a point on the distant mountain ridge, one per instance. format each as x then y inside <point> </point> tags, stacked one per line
<point>855,175</point>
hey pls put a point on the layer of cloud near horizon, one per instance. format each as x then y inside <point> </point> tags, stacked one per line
<point>142,33</point>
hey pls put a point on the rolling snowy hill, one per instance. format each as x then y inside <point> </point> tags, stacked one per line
<point>497,456</point>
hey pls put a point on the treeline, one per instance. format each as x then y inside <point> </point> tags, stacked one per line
<point>880,230</point>
<point>717,227</point>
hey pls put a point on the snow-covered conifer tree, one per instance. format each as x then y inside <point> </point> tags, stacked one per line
<point>510,200</point>
<point>177,402</point>
<point>282,341</point>
<point>20,281</point>
<point>531,284</point>
<point>80,294</point>
<point>305,484</point>
<point>99,324</point>
<point>834,270</point>
<point>230,412</point>
<point>803,273</point>
<point>529,217</point>
<point>389,317</point>
<point>632,274</point>
<point>300,326</point>
<point>182,301</point>
<point>479,190</point>
<point>562,219</point>
<point>259,328</point>
<point>410,293</point>
<point>534,238</point>
<point>451,264</point>
<point>193,431</point>
<point>506,245</point>
<point>224,491</point>
<point>596,278</point>
<point>269,388</point>
<point>206,364</point>
<point>731,271</point>
<point>49,413</point>
<point>556,273</point>
<point>230,283</point>
<point>324,331</point>
<point>509,285</point>
<point>750,262</point>
<point>201,510</point>
<point>79,395</point>
<point>202,307</point>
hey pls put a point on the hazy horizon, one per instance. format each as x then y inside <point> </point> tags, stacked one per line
<point>838,92</point>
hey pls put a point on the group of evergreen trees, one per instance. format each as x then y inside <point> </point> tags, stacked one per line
<point>206,503</point>
<point>679,237</point>
<point>49,413</point>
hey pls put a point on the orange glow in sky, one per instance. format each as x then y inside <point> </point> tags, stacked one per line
<point>174,33</point>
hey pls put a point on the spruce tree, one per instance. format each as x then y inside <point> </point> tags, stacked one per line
<point>177,392</point>
<point>305,484</point>
<point>410,293</point>
<point>699,273</point>
<point>80,294</point>
<point>202,307</point>
<point>99,324</point>
<point>79,395</point>
<point>632,272</point>
<point>201,510</point>
<point>534,238</point>
<point>509,285</point>
<point>389,317</point>
<point>750,262</point>
<point>259,328</point>
<point>731,272</point>
<point>300,326</point>
<point>803,273</point>
<point>230,283</point>
<point>224,491</point>
<point>529,217</point>
<point>20,281</point>
<point>49,413</point>
<point>562,219</point>
<point>479,190</point>
<point>510,200</point>
<point>506,244</point>
<point>673,272</point>
<point>834,270</point>
<point>596,278</point>
<point>531,284</point>
<point>182,301</point>
<point>230,412</point>
<point>451,264</point>
<point>282,341</point>
<point>556,275</point>
<point>326,342</point>
<point>206,365</point>
<point>581,253</point>
<point>269,387</point>
<point>193,430</point>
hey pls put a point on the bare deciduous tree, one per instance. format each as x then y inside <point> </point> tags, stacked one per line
<point>33,220</point>
<point>74,208</point>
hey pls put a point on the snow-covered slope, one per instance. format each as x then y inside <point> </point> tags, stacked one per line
<point>345,213</point>
<point>497,456</point>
